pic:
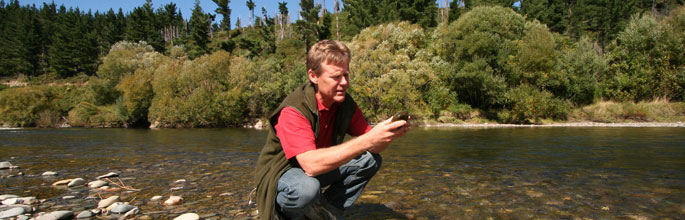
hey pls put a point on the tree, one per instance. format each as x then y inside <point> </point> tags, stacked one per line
<point>250,5</point>
<point>199,30</point>
<point>224,10</point>
<point>283,18</point>
<point>143,25</point>
<point>455,10</point>
<point>308,26</point>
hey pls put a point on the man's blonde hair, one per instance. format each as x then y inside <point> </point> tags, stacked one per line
<point>327,51</point>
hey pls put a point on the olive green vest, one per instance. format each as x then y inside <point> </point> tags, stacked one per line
<point>272,162</point>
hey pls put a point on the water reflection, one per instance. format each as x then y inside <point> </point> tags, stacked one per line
<point>503,173</point>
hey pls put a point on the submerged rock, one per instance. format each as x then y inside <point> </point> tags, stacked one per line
<point>97,184</point>
<point>123,208</point>
<point>173,200</point>
<point>85,214</point>
<point>107,202</point>
<point>76,182</point>
<point>12,212</point>
<point>188,216</point>
<point>156,198</point>
<point>62,182</point>
<point>7,196</point>
<point>49,173</point>
<point>111,174</point>
<point>57,215</point>
<point>5,165</point>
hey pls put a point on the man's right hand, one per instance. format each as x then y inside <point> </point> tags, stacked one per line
<point>385,132</point>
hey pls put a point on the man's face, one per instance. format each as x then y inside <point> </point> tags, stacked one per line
<point>331,83</point>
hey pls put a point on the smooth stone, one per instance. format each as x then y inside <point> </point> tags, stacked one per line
<point>7,196</point>
<point>11,201</point>
<point>85,214</point>
<point>113,205</point>
<point>68,197</point>
<point>188,216</point>
<point>107,202</point>
<point>97,184</point>
<point>76,182</point>
<point>132,212</point>
<point>23,217</point>
<point>5,165</point>
<point>111,174</point>
<point>49,173</point>
<point>62,182</point>
<point>156,198</point>
<point>123,208</point>
<point>173,200</point>
<point>12,212</point>
<point>57,215</point>
<point>180,181</point>
<point>27,208</point>
<point>29,200</point>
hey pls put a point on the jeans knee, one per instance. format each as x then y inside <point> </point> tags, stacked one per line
<point>298,193</point>
<point>371,163</point>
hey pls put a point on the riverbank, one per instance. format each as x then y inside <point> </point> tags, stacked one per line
<point>565,124</point>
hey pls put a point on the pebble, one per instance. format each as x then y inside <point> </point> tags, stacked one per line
<point>156,198</point>
<point>180,181</point>
<point>12,212</point>
<point>173,200</point>
<point>111,174</point>
<point>113,205</point>
<point>7,196</point>
<point>133,212</point>
<point>29,200</point>
<point>123,208</point>
<point>97,184</point>
<point>23,217</point>
<point>5,165</point>
<point>85,214</point>
<point>68,197</point>
<point>49,173</point>
<point>188,216</point>
<point>76,182</point>
<point>176,188</point>
<point>107,202</point>
<point>11,201</point>
<point>57,215</point>
<point>62,182</point>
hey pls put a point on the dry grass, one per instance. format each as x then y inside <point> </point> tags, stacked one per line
<point>658,110</point>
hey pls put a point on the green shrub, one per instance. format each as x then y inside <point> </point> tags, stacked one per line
<point>392,70</point>
<point>527,104</point>
<point>583,65</point>
<point>20,107</point>
<point>89,115</point>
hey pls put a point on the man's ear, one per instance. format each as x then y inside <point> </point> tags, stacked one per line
<point>312,76</point>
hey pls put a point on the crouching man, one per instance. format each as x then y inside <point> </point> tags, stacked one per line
<point>304,151</point>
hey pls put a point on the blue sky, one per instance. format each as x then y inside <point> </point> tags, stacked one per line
<point>238,7</point>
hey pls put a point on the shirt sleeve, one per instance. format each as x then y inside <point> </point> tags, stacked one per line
<point>358,125</point>
<point>295,133</point>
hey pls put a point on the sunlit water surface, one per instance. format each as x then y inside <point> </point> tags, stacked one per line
<point>457,173</point>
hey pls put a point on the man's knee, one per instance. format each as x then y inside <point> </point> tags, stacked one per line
<point>298,193</point>
<point>370,164</point>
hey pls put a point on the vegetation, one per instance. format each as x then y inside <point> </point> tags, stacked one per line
<point>484,60</point>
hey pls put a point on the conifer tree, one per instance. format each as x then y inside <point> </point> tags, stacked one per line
<point>199,30</point>
<point>308,27</point>
<point>224,10</point>
<point>142,25</point>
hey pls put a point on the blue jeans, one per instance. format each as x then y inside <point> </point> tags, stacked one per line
<point>297,191</point>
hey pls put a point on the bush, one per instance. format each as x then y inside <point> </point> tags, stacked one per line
<point>89,115</point>
<point>583,65</point>
<point>20,107</point>
<point>392,70</point>
<point>528,105</point>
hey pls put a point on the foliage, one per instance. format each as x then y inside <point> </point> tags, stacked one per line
<point>392,70</point>
<point>529,105</point>
<point>583,65</point>
<point>40,106</point>
<point>88,115</point>
<point>647,61</point>
<point>611,112</point>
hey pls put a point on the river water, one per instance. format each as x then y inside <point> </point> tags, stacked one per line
<point>455,173</point>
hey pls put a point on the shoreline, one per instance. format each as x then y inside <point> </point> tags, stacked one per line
<point>564,124</point>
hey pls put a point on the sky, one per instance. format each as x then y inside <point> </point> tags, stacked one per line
<point>238,7</point>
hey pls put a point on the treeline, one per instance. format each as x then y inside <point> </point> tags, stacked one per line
<point>472,59</point>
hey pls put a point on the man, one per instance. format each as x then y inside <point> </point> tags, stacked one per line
<point>304,151</point>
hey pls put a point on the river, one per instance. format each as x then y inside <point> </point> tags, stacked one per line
<point>447,173</point>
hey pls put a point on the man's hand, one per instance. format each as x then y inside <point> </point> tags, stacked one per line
<point>385,132</point>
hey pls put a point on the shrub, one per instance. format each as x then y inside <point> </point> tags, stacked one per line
<point>583,65</point>
<point>392,70</point>
<point>20,107</point>
<point>88,115</point>
<point>528,105</point>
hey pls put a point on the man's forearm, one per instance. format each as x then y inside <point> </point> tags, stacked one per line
<point>320,161</point>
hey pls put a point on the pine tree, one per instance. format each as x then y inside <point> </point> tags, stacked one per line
<point>224,10</point>
<point>142,25</point>
<point>308,27</point>
<point>455,10</point>
<point>199,30</point>
<point>250,5</point>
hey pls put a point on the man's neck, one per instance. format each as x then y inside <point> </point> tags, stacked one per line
<point>325,103</point>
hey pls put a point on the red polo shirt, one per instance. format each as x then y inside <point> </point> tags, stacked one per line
<point>297,135</point>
